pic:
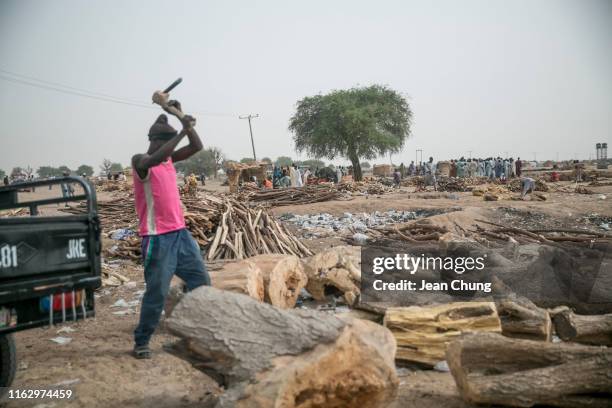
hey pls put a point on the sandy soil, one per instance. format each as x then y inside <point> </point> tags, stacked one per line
<point>97,364</point>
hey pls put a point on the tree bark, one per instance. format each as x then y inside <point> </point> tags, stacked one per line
<point>521,318</point>
<point>596,330</point>
<point>423,333</point>
<point>269,357</point>
<point>492,369</point>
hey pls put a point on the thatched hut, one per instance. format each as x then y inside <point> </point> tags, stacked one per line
<point>243,172</point>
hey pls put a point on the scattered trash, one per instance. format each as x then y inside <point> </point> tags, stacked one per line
<point>66,329</point>
<point>442,366</point>
<point>601,197</point>
<point>360,238</point>
<point>121,234</point>
<point>120,303</point>
<point>67,382</point>
<point>124,312</point>
<point>315,224</point>
<point>133,303</point>
<point>61,340</point>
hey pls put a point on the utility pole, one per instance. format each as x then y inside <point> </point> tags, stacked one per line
<point>417,155</point>
<point>469,152</point>
<point>249,117</point>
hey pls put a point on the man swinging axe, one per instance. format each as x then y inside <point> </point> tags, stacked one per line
<point>167,246</point>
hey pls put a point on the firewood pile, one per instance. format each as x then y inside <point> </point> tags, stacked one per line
<point>521,235</point>
<point>225,227</point>
<point>420,230</point>
<point>110,186</point>
<point>294,195</point>
<point>453,184</point>
<point>366,187</point>
<point>515,185</point>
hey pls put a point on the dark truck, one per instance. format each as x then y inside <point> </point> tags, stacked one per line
<point>49,265</point>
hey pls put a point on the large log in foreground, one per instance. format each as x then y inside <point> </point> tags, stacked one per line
<point>492,369</point>
<point>424,332</point>
<point>269,357</point>
<point>596,329</point>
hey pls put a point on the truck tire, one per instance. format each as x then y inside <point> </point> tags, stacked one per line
<point>8,360</point>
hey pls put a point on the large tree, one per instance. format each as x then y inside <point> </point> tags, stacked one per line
<point>283,161</point>
<point>106,166</point>
<point>207,161</point>
<point>85,169</point>
<point>116,168</point>
<point>356,123</point>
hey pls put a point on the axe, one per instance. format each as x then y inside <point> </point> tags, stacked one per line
<point>162,98</point>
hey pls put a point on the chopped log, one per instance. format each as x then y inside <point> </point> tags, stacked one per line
<point>424,332</point>
<point>596,329</point>
<point>338,268</point>
<point>268,357</point>
<point>283,277</point>
<point>521,318</point>
<point>492,369</point>
<point>240,277</point>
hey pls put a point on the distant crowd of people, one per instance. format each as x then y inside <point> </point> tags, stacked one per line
<point>292,176</point>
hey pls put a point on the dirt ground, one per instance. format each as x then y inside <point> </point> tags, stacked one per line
<point>97,365</point>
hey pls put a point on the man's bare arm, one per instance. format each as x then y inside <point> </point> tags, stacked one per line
<point>194,146</point>
<point>143,162</point>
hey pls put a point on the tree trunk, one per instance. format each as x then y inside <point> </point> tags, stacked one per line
<point>492,369</point>
<point>423,333</point>
<point>240,277</point>
<point>357,176</point>
<point>596,330</point>
<point>521,318</point>
<point>269,357</point>
<point>283,277</point>
<point>337,268</point>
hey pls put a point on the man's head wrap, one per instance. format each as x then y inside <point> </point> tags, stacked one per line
<point>161,129</point>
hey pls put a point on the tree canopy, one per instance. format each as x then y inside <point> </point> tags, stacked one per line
<point>365,165</point>
<point>311,163</point>
<point>85,169</point>
<point>283,161</point>
<point>247,160</point>
<point>361,122</point>
<point>116,168</point>
<point>206,161</point>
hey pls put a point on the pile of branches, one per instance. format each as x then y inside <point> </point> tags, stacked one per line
<point>294,195</point>
<point>224,226</point>
<point>550,235</point>
<point>112,185</point>
<point>515,185</point>
<point>453,184</point>
<point>366,187</point>
<point>421,230</point>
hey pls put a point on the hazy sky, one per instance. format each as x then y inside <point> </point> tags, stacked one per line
<point>486,76</point>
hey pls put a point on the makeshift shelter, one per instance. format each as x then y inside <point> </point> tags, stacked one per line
<point>383,170</point>
<point>243,172</point>
<point>444,168</point>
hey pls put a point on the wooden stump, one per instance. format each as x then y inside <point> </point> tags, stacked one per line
<point>337,268</point>
<point>240,277</point>
<point>424,332</point>
<point>596,329</point>
<point>283,277</point>
<point>269,357</point>
<point>521,318</point>
<point>492,369</point>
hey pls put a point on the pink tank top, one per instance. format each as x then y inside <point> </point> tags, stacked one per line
<point>157,200</point>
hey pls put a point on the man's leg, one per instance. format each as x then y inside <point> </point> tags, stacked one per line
<point>191,268</point>
<point>160,260</point>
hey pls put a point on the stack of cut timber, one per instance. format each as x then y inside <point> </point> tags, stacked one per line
<point>492,369</point>
<point>228,228</point>
<point>453,184</point>
<point>338,268</point>
<point>269,357</point>
<point>311,193</point>
<point>366,186</point>
<point>424,332</point>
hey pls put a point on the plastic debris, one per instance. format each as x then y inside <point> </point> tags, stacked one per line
<point>61,340</point>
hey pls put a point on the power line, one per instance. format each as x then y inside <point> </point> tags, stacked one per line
<point>74,91</point>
